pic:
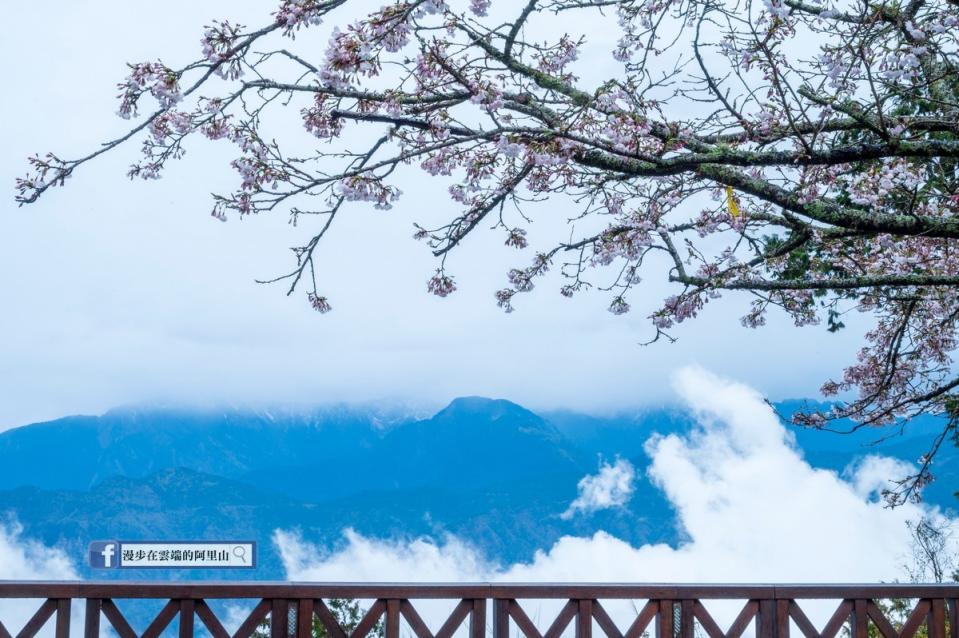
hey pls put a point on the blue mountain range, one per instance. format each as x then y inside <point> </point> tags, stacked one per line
<point>486,470</point>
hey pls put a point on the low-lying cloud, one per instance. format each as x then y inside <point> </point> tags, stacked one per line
<point>26,559</point>
<point>751,509</point>
<point>610,487</point>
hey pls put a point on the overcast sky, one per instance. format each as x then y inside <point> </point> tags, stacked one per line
<point>117,292</point>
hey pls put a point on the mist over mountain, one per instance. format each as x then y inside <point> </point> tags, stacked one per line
<point>80,451</point>
<point>488,471</point>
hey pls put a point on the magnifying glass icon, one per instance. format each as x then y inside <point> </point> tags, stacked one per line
<point>240,552</point>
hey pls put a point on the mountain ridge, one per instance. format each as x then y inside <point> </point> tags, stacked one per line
<point>485,469</point>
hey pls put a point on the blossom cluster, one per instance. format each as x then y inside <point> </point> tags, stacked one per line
<point>556,58</point>
<point>294,14</point>
<point>364,188</point>
<point>441,284</point>
<point>156,78</point>
<point>169,123</point>
<point>218,44</point>
<point>319,119</point>
<point>354,53</point>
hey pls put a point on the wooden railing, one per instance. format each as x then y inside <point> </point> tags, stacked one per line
<point>666,611</point>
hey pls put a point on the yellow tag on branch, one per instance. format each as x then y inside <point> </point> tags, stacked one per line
<point>732,203</point>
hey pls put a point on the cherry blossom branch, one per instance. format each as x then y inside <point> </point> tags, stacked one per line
<point>851,283</point>
<point>819,184</point>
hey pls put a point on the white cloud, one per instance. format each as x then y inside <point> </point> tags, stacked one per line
<point>753,510</point>
<point>366,559</point>
<point>611,487</point>
<point>26,559</point>
<point>872,474</point>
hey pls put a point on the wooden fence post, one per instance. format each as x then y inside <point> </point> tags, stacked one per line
<point>91,621</point>
<point>501,618</point>
<point>665,623</point>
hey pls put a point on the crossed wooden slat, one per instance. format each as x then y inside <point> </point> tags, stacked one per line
<point>635,630</point>
<point>935,613</point>
<point>51,606</point>
<point>366,624</point>
<point>591,609</point>
<point>446,630</point>
<point>862,611</point>
<point>928,611</point>
<point>278,608</point>
<point>528,628</point>
<point>394,609</point>
<point>709,625</point>
<point>186,609</point>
